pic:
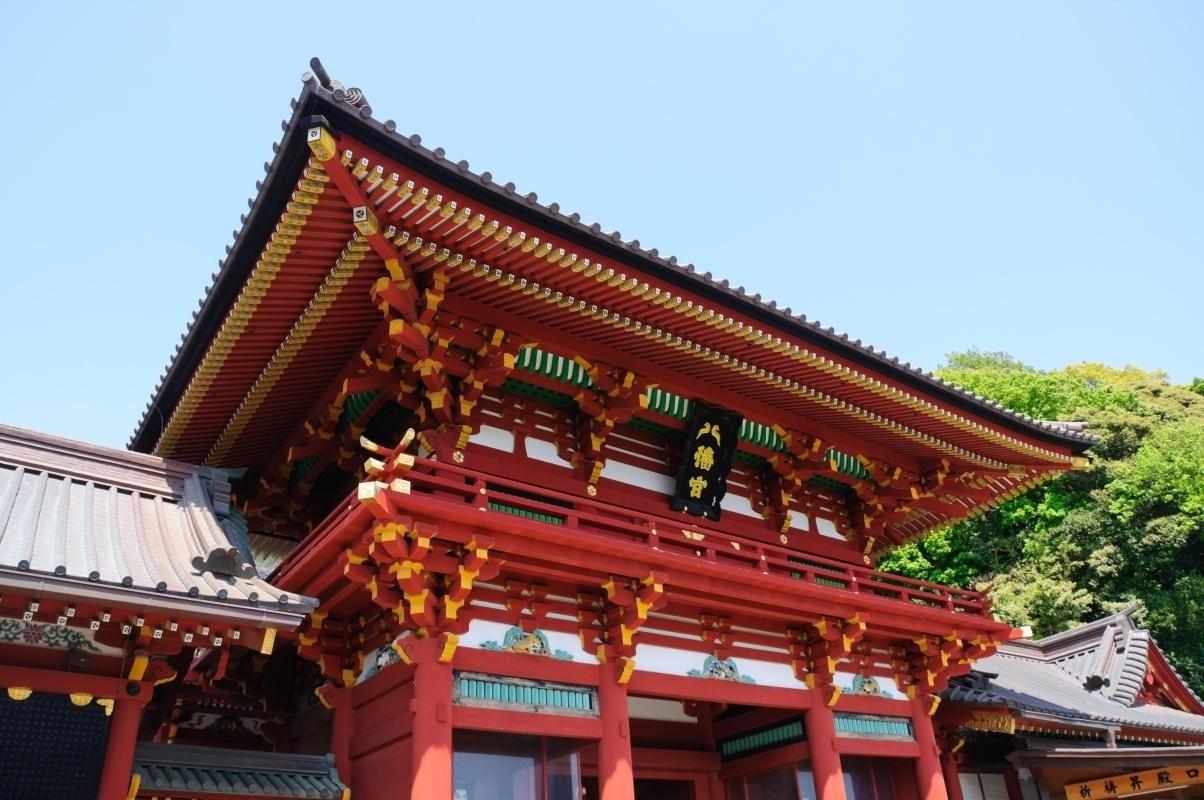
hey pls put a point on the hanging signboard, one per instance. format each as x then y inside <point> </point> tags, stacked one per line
<point>1166,779</point>
<point>711,437</point>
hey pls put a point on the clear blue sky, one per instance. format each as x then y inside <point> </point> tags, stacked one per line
<point>1020,176</point>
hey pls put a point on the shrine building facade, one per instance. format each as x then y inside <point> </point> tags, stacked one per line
<point>531,512</point>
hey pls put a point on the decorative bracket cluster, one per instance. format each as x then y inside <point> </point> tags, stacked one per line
<point>607,625</point>
<point>451,362</point>
<point>425,585</point>
<point>616,394</point>
<point>924,665</point>
<point>420,583</point>
<point>817,650</point>
<point>527,604</point>
<point>803,458</point>
<point>717,633</point>
<point>328,643</point>
<point>884,498</point>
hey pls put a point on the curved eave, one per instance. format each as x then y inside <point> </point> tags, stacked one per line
<point>291,157</point>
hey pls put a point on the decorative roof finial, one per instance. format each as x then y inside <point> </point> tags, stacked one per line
<point>319,71</point>
<point>348,94</point>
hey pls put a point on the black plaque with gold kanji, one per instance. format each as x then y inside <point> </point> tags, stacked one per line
<point>705,460</point>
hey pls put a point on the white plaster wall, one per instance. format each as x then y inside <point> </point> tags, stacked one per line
<point>769,673</point>
<point>638,476</point>
<point>669,661</point>
<point>496,438</point>
<point>540,450</point>
<point>826,527</point>
<point>738,504</point>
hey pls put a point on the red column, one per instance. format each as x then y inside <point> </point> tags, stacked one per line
<point>929,778</point>
<point>953,783</point>
<point>431,741</point>
<point>123,736</point>
<point>615,777</point>
<point>338,700</point>
<point>821,742</point>
<point>1012,779</point>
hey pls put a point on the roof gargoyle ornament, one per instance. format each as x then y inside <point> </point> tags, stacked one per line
<point>224,561</point>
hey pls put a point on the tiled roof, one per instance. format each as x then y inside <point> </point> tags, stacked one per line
<point>107,523</point>
<point>179,770</point>
<point>321,96</point>
<point>1092,673</point>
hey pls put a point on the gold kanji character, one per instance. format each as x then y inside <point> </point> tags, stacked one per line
<point>697,484</point>
<point>704,457</point>
<point>711,430</point>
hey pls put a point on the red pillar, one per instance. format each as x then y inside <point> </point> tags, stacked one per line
<point>930,780</point>
<point>1012,779</point>
<point>338,700</point>
<point>953,783</point>
<point>431,740</point>
<point>615,777</point>
<point>123,736</point>
<point>821,742</point>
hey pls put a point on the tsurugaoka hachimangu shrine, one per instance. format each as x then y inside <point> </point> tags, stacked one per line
<point>494,504</point>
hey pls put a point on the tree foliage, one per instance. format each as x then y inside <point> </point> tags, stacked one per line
<point>1128,528</point>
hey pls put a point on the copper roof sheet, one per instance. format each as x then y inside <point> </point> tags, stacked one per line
<point>77,513</point>
<point>1092,673</point>
<point>184,770</point>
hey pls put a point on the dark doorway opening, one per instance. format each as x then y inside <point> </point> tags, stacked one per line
<point>663,790</point>
<point>645,789</point>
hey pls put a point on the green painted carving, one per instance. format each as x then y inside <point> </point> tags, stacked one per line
<point>867,685</point>
<point>723,669</point>
<point>534,643</point>
<point>59,637</point>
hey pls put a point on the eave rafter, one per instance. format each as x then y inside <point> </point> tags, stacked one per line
<point>453,363</point>
<point>509,250</point>
<point>328,433</point>
<point>452,359</point>
<point>238,320</point>
<point>345,266</point>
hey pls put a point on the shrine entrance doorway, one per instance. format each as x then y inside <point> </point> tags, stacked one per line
<point>651,789</point>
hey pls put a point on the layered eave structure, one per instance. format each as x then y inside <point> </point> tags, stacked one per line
<point>294,314</point>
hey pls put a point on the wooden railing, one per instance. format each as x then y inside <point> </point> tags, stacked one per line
<point>689,536</point>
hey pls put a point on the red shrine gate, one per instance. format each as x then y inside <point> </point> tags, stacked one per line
<point>435,545</point>
<point>510,606</point>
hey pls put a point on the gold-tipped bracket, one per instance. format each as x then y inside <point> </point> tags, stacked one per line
<point>321,143</point>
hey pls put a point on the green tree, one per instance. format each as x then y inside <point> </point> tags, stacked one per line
<point>1129,527</point>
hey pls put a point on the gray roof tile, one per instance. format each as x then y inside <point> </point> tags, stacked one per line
<point>216,770</point>
<point>1090,673</point>
<point>122,521</point>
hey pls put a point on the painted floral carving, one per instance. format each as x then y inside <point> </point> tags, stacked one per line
<point>60,637</point>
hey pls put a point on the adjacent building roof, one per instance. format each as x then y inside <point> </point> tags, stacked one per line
<point>1103,672</point>
<point>169,769</point>
<point>97,522</point>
